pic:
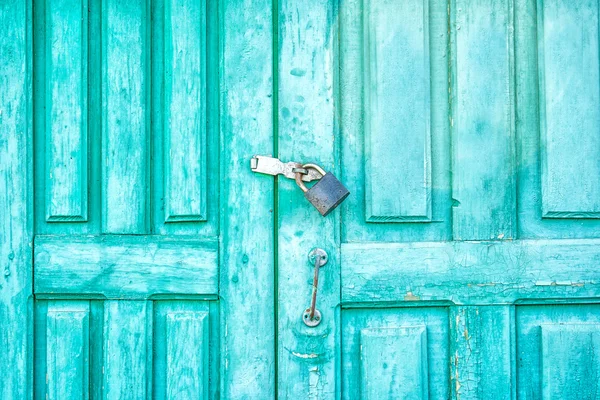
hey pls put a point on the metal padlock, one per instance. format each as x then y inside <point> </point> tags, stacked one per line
<point>326,194</point>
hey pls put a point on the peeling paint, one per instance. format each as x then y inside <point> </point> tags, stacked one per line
<point>300,355</point>
<point>411,297</point>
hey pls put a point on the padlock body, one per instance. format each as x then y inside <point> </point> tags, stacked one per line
<point>326,194</point>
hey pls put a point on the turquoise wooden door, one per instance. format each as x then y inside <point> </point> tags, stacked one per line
<point>141,258</point>
<point>137,254</point>
<point>465,262</point>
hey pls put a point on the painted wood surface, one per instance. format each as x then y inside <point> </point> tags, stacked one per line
<point>247,275</point>
<point>307,131</point>
<point>483,182</point>
<point>185,131</point>
<point>161,349</point>
<point>569,82</point>
<point>125,116</point>
<point>398,111</point>
<point>409,145</point>
<point>573,190</point>
<point>557,348</point>
<point>463,266</point>
<point>395,353</point>
<point>470,272</point>
<point>16,199</point>
<point>65,103</point>
<point>125,266</point>
<point>510,334</point>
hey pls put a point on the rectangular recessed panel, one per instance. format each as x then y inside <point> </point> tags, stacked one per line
<point>125,121</point>
<point>67,352</point>
<point>187,354</point>
<point>570,365</point>
<point>66,91</point>
<point>483,182</point>
<point>395,352</point>
<point>185,110</point>
<point>394,363</point>
<point>125,350</point>
<point>569,75</point>
<point>397,110</point>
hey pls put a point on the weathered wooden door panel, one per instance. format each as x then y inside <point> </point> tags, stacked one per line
<point>141,258</point>
<point>460,123</point>
<point>126,349</point>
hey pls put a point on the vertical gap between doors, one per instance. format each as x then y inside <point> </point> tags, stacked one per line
<point>275,73</point>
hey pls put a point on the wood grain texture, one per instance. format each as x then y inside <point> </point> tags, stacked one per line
<point>384,370</point>
<point>532,223</point>
<point>16,199</point>
<point>482,352</point>
<point>185,350</point>
<point>405,350</point>
<point>66,99</point>
<point>125,116</point>
<point>470,273</point>
<point>569,82</point>
<point>483,172</point>
<point>307,132</point>
<point>557,347</point>
<point>247,266</point>
<point>67,347</point>
<point>185,110</point>
<point>397,111</point>
<point>187,355</point>
<point>185,118</point>
<point>121,266</point>
<point>401,142</point>
<point>570,361</point>
<point>66,81</point>
<point>126,350</point>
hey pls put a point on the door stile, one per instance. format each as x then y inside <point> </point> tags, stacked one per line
<point>308,357</point>
<point>246,250</point>
<point>16,200</point>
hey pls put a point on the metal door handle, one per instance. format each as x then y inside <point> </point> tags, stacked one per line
<point>312,316</point>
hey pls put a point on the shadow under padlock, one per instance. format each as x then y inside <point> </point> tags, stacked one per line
<point>326,194</point>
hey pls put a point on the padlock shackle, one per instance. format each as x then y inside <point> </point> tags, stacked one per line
<point>298,177</point>
<point>299,182</point>
<point>315,166</point>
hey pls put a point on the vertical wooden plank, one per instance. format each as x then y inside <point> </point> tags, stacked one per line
<point>187,355</point>
<point>125,350</point>
<point>247,276</point>
<point>15,200</point>
<point>67,351</point>
<point>569,82</point>
<point>394,363</point>
<point>125,116</point>
<point>397,111</point>
<point>482,341</point>
<point>307,132</point>
<point>482,120</point>
<point>185,110</point>
<point>66,110</point>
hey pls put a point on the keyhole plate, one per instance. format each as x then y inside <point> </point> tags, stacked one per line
<point>311,322</point>
<point>317,253</point>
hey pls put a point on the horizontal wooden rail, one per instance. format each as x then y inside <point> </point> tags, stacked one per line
<point>499,272</point>
<point>125,266</point>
